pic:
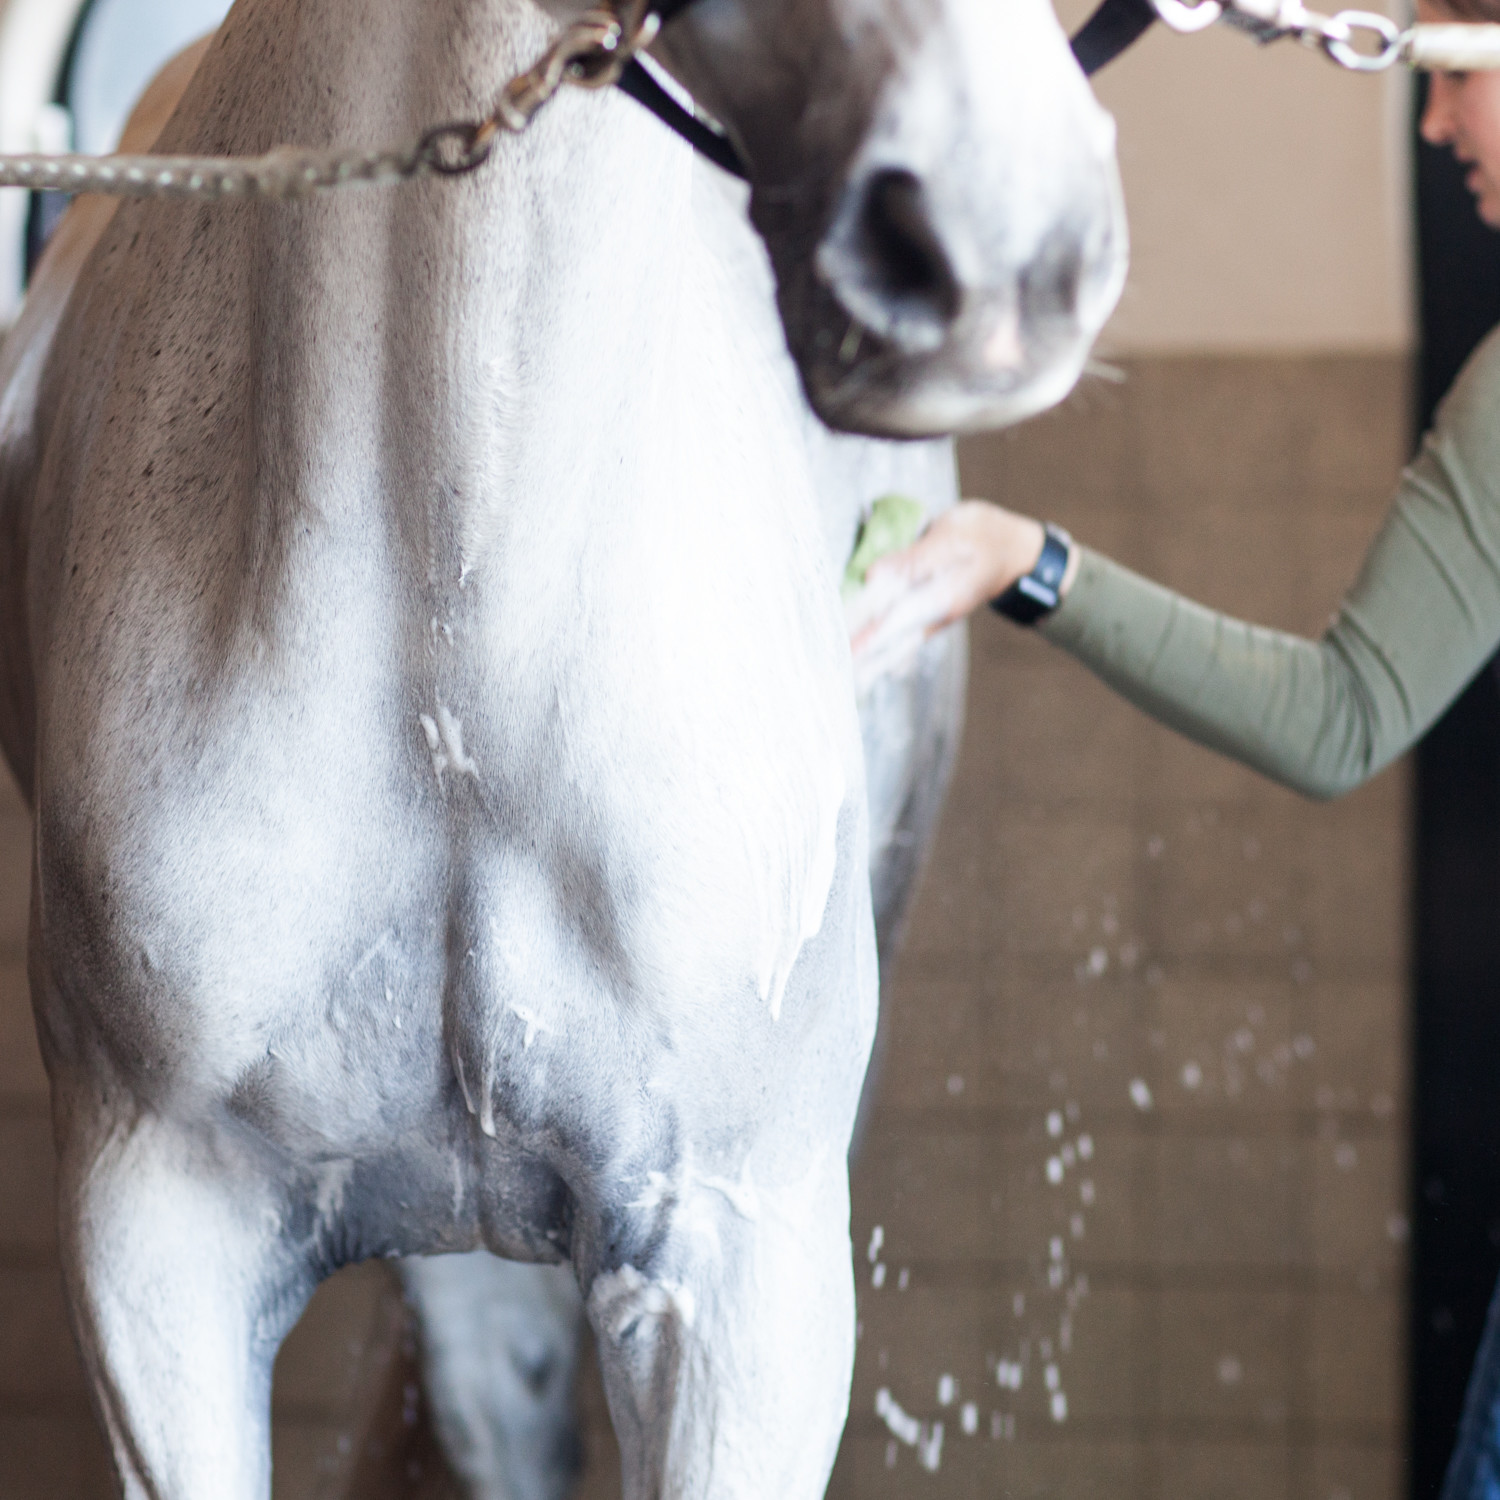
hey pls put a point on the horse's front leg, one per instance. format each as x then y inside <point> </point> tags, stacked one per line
<point>181,1288</point>
<point>726,1346</point>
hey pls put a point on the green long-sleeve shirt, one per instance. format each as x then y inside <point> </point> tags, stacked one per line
<point>1322,716</point>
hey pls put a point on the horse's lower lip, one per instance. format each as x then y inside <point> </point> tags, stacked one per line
<point>880,394</point>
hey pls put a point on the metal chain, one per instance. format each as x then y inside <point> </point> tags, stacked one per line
<point>1360,40</point>
<point>591,53</point>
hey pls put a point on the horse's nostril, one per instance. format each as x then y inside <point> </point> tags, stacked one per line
<point>905,252</point>
<point>888,265</point>
<point>1050,284</point>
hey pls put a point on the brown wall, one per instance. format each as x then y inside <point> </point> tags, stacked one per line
<point>1109,904</point>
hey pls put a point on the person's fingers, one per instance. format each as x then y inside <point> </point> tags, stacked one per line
<point>966,556</point>
<point>940,546</point>
<point>864,612</point>
<point>894,633</point>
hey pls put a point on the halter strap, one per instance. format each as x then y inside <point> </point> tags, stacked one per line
<point>703,138</point>
<point>1113,26</point>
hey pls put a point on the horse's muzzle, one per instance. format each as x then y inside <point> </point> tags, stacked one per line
<point>918,322</point>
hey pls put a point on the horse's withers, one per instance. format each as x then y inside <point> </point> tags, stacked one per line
<point>938,193</point>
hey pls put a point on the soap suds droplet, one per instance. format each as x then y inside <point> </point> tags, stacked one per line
<point>445,744</point>
<point>1140,1094</point>
<point>930,1448</point>
<point>902,1425</point>
<point>530,1020</point>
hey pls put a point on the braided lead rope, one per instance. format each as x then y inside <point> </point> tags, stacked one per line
<point>1359,40</point>
<point>1454,47</point>
<point>591,53</point>
<point>282,173</point>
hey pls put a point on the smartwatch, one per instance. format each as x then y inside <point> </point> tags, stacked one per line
<point>1035,595</point>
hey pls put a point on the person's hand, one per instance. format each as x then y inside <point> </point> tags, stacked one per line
<point>964,558</point>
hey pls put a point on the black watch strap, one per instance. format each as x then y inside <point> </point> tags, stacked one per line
<point>1035,595</point>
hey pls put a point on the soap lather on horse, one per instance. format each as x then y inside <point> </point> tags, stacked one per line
<point>438,847</point>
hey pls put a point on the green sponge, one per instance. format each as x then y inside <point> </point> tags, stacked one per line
<point>894,522</point>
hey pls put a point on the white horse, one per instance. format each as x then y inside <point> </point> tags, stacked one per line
<point>422,653</point>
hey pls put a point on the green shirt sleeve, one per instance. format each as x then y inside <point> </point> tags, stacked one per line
<point>1322,716</point>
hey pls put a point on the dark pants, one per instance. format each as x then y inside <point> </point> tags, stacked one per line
<point>1474,1473</point>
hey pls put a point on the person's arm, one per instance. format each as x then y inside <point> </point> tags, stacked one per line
<point>1320,716</point>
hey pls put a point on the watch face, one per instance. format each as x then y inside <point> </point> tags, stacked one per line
<point>1052,564</point>
<point>1035,595</point>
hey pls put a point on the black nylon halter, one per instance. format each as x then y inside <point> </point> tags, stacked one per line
<point>1113,26</point>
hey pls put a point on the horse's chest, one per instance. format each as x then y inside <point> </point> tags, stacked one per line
<point>333,925</point>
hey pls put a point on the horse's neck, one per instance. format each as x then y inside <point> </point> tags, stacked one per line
<point>352,71</point>
<point>523,335</point>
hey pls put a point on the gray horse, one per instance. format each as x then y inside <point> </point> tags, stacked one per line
<point>422,651</point>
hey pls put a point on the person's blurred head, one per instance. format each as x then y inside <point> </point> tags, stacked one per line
<point>1463,109</point>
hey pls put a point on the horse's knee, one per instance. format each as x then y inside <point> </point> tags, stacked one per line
<point>736,1321</point>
